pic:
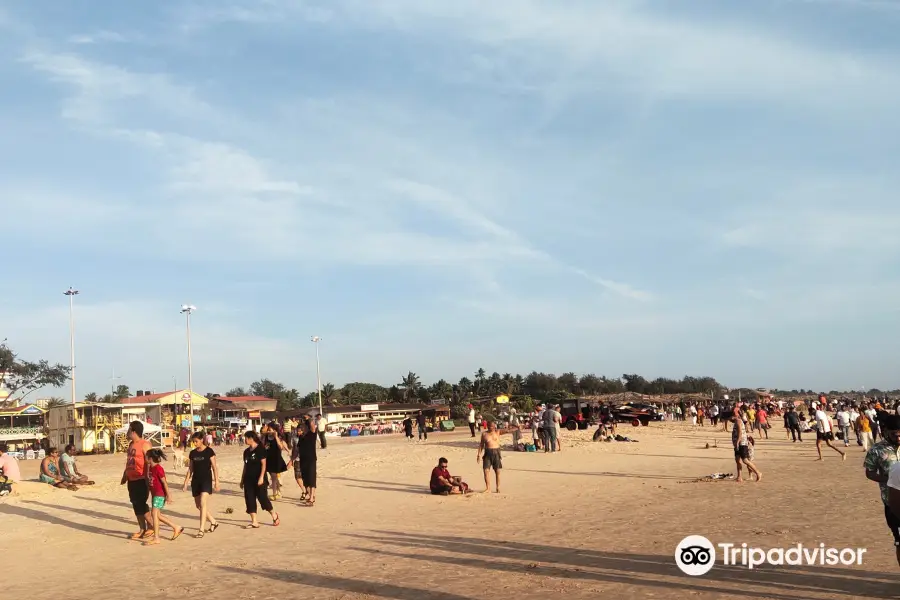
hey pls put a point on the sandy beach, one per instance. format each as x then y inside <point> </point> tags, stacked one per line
<point>596,520</point>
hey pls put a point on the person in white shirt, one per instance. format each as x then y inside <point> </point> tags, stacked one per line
<point>693,411</point>
<point>854,417</point>
<point>472,419</point>
<point>825,433</point>
<point>843,421</point>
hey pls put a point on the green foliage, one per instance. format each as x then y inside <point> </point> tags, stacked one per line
<point>23,377</point>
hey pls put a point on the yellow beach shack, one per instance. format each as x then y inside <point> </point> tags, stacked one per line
<point>21,426</point>
<point>175,410</point>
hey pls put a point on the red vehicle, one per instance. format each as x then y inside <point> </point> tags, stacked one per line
<point>576,414</point>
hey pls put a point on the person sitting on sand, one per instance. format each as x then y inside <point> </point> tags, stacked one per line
<point>443,484</point>
<point>50,471</point>
<point>68,468</point>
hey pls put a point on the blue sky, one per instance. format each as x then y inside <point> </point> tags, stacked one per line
<point>608,187</point>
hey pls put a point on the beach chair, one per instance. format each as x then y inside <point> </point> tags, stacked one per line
<point>41,454</point>
<point>29,454</point>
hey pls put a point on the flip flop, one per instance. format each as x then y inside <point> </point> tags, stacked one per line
<point>139,535</point>
<point>251,526</point>
<point>148,534</point>
<point>176,534</point>
<point>198,535</point>
<point>277,520</point>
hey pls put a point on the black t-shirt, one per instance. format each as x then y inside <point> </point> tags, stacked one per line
<point>420,419</point>
<point>253,465</point>
<point>201,460</point>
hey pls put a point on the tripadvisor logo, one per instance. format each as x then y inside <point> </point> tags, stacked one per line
<point>695,555</point>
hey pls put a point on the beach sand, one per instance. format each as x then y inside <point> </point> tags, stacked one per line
<point>596,520</point>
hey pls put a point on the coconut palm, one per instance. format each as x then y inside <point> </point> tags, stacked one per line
<point>410,386</point>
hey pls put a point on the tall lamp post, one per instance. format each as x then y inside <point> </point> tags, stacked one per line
<point>315,340</point>
<point>186,310</point>
<point>71,293</point>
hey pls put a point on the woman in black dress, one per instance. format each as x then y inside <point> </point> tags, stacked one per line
<point>307,457</point>
<point>254,481</point>
<point>275,464</point>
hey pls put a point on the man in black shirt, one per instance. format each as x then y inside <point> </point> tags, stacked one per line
<point>423,430</point>
<point>793,423</point>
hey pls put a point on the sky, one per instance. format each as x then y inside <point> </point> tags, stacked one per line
<point>653,187</point>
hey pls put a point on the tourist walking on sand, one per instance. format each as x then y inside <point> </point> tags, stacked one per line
<point>793,422</point>
<point>275,464</point>
<point>762,421</point>
<point>864,431</point>
<point>741,442</point>
<point>303,459</point>
<point>320,430</point>
<point>843,422</point>
<point>878,465</point>
<point>135,476</point>
<point>825,432</point>
<point>490,448</point>
<point>254,481</point>
<point>422,426</point>
<point>408,428</point>
<point>471,419</point>
<point>203,476</point>
<point>159,493</point>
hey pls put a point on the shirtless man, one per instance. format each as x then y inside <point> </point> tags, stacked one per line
<point>490,447</point>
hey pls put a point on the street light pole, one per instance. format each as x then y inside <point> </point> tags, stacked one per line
<point>187,309</point>
<point>71,293</point>
<point>316,339</point>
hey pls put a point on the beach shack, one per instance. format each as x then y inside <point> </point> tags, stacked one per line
<point>92,427</point>
<point>21,426</point>
<point>175,411</point>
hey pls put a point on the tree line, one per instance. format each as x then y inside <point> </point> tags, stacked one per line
<point>22,377</point>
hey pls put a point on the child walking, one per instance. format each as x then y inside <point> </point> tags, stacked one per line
<point>159,490</point>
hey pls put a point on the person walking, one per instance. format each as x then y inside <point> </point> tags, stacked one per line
<point>825,433</point>
<point>471,419</point>
<point>864,431</point>
<point>159,493</point>
<point>878,466</point>
<point>306,456</point>
<point>741,443</point>
<point>203,477</point>
<point>843,422</point>
<point>275,464</point>
<point>793,423</point>
<point>320,429</point>
<point>135,476</point>
<point>422,426</point>
<point>408,428</point>
<point>254,481</point>
<point>762,421</point>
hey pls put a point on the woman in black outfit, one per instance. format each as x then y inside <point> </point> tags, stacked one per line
<point>254,481</point>
<point>307,458</point>
<point>275,464</point>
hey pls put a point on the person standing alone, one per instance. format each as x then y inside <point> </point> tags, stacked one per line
<point>135,476</point>
<point>422,425</point>
<point>471,419</point>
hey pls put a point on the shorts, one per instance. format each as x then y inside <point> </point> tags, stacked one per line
<point>298,471</point>
<point>159,502</point>
<point>442,490</point>
<point>893,524</point>
<point>827,436</point>
<point>138,492</point>
<point>200,487</point>
<point>742,452</point>
<point>492,459</point>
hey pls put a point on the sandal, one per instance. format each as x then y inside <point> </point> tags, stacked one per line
<point>199,535</point>
<point>251,526</point>
<point>176,534</point>
<point>277,520</point>
<point>139,535</point>
<point>213,527</point>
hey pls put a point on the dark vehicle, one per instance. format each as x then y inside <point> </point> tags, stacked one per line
<point>637,411</point>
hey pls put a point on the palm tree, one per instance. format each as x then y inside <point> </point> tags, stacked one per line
<point>410,385</point>
<point>54,402</point>
<point>327,392</point>
<point>92,397</point>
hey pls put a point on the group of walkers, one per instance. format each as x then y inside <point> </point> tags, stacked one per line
<point>264,465</point>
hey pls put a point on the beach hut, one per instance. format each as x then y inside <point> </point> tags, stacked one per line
<point>21,425</point>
